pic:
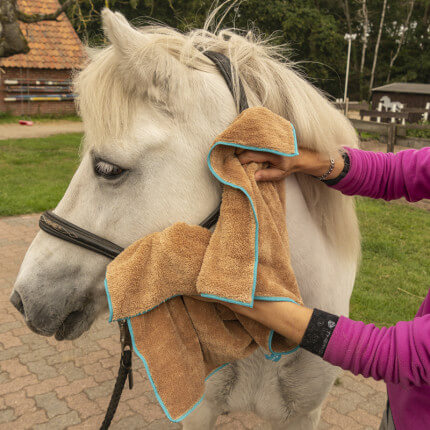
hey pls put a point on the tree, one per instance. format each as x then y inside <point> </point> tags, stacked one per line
<point>12,41</point>
<point>403,30</point>
<point>378,41</point>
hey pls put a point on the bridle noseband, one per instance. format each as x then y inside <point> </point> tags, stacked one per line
<point>65,230</point>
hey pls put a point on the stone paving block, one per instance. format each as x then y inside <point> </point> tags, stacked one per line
<point>37,355</point>
<point>99,390</point>
<point>234,425</point>
<point>46,386</point>
<point>138,403</point>
<point>10,326</point>
<point>52,405</point>
<point>70,371</point>
<point>322,425</point>
<point>26,421</point>
<point>83,405</point>
<point>20,403</point>
<point>160,425</point>
<point>8,340</point>
<point>59,422</point>
<point>346,403</point>
<point>42,370</point>
<point>13,352</point>
<point>14,368</point>
<point>375,403</point>
<point>106,375</point>
<point>75,387</point>
<point>17,384</point>
<point>93,357</point>
<point>65,355</point>
<point>132,422</point>
<point>152,412</point>
<point>365,418</point>
<point>357,387</point>
<point>91,423</point>
<point>34,341</point>
<point>331,416</point>
<point>7,415</point>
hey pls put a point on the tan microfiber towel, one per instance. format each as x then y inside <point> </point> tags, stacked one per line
<point>160,283</point>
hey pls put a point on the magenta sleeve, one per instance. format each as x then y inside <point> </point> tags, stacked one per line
<point>388,176</point>
<point>398,354</point>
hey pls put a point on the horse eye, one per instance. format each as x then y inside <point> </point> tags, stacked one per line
<point>107,170</point>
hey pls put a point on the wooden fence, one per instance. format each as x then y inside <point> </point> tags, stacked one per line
<point>396,133</point>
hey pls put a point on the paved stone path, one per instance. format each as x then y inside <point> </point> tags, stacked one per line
<point>46,384</point>
<point>41,129</point>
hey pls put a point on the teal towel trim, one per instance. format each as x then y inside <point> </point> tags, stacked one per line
<point>254,281</point>
<point>109,301</point>
<point>157,395</point>
<point>274,356</point>
<point>252,148</point>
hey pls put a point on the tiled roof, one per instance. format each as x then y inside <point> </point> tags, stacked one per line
<point>53,44</point>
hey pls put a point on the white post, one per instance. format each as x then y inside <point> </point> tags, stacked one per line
<point>379,108</point>
<point>426,114</point>
<point>349,38</point>
<point>393,109</point>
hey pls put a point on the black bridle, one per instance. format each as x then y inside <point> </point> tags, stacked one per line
<point>65,230</point>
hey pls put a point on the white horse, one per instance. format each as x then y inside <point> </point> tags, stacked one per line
<point>152,103</point>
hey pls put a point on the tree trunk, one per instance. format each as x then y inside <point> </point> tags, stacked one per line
<point>364,40</point>
<point>364,37</point>
<point>12,41</point>
<point>402,39</point>
<point>347,15</point>
<point>378,41</point>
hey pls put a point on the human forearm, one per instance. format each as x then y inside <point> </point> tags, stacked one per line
<point>286,318</point>
<point>398,354</point>
<point>388,176</point>
<point>316,164</point>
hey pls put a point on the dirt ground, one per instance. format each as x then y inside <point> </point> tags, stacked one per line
<point>43,129</point>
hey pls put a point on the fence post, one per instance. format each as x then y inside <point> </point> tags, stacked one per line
<point>391,137</point>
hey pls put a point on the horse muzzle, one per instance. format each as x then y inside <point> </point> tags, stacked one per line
<point>52,320</point>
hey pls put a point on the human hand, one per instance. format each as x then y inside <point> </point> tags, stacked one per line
<point>279,167</point>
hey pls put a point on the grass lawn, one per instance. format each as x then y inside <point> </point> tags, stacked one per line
<point>34,173</point>
<point>396,252</point>
<point>6,118</point>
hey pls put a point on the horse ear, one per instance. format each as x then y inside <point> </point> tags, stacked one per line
<point>119,32</point>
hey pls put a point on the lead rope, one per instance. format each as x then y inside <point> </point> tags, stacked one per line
<point>125,371</point>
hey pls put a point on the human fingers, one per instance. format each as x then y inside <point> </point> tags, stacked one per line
<point>246,157</point>
<point>270,174</point>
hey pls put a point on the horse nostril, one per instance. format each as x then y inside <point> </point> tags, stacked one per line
<point>15,299</point>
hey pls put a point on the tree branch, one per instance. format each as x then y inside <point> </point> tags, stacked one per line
<point>28,19</point>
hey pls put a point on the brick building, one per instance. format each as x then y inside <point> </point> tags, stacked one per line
<point>39,82</point>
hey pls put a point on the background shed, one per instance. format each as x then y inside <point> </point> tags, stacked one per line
<point>39,82</point>
<point>413,96</point>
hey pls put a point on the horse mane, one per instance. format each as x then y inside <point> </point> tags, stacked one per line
<point>269,80</point>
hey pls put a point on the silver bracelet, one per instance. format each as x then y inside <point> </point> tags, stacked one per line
<point>327,174</point>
